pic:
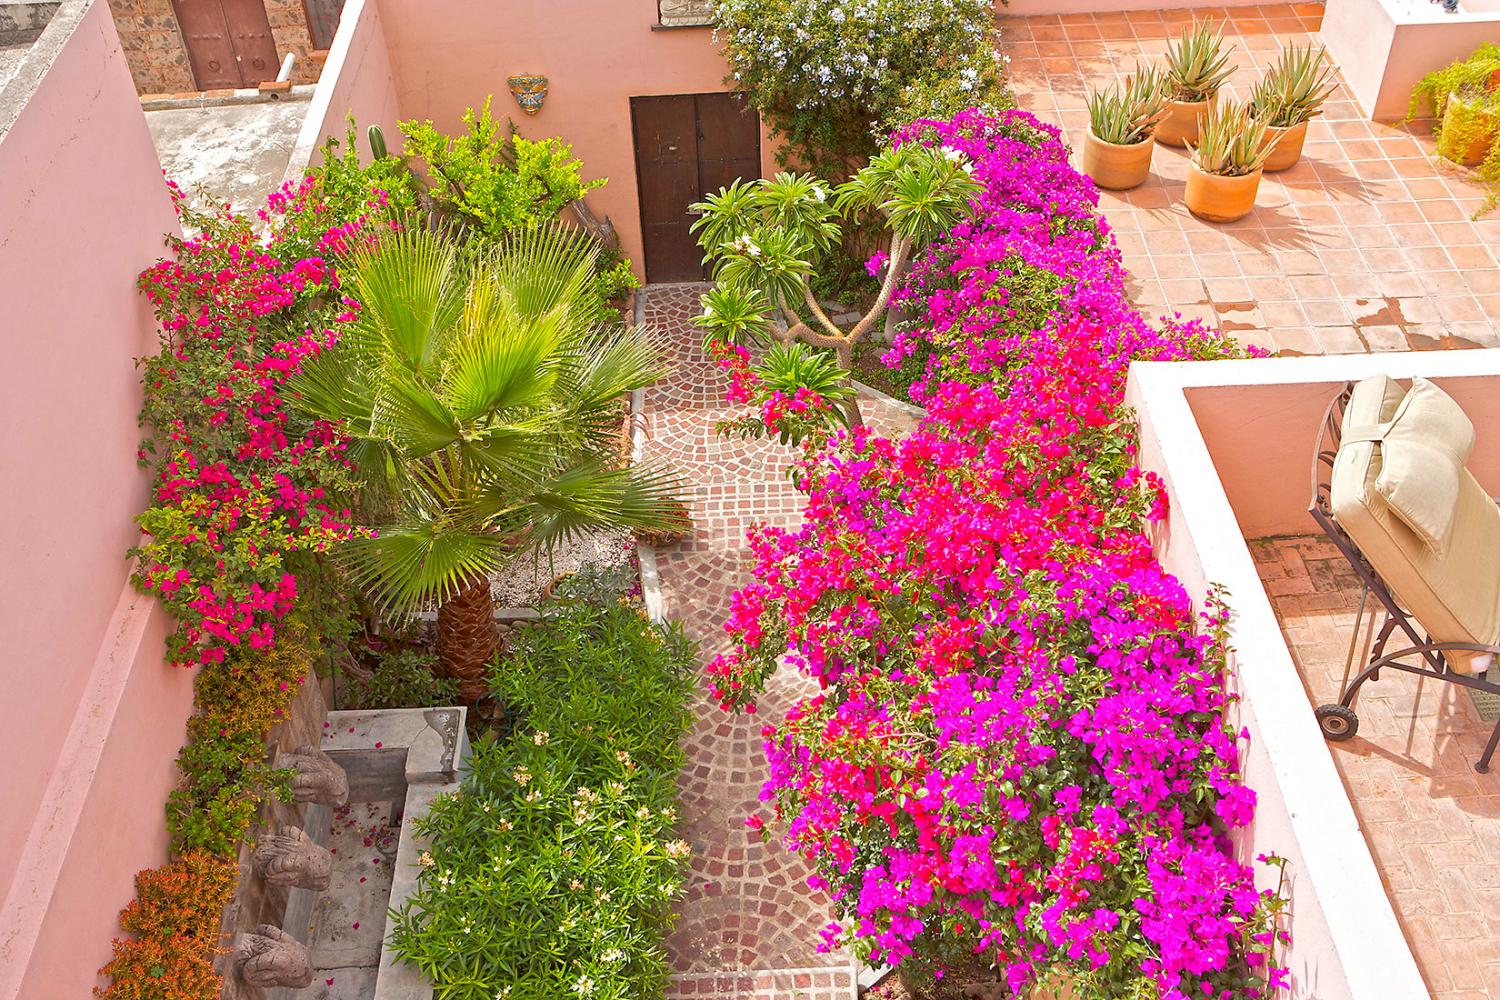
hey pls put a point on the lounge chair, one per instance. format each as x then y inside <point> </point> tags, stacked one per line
<point>1392,491</point>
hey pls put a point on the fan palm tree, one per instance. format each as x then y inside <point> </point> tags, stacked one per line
<point>483,401</point>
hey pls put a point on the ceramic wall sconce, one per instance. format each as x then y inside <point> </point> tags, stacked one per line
<point>530,90</point>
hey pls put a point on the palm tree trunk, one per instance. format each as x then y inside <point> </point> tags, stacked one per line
<point>467,639</point>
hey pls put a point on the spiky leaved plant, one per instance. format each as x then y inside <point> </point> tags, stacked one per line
<point>1197,64</point>
<point>1128,114</point>
<point>482,399</point>
<point>1294,88</point>
<point>1231,142</point>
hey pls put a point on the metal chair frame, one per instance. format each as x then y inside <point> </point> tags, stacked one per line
<point>1338,720</point>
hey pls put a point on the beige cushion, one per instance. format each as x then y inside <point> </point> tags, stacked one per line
<point>1453,591</point>
<point>1424,446</point>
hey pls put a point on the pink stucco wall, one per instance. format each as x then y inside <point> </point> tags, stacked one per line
<point>449,54</point>
<point>82,211</point>
<point>357,79</point>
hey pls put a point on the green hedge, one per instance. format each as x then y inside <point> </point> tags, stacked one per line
<point>551,870</point>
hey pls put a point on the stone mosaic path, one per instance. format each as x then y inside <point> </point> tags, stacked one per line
<point>748,927</point>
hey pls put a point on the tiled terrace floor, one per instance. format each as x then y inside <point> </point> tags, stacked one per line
<point>748,927</point>
<point>1366,245</point>
<point>1432,822</point>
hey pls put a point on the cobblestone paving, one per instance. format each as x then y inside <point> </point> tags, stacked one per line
<point>1366,245</point>
<point>1432,822</point>
<point>749,925</point>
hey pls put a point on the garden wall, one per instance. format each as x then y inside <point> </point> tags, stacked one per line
<point>92,719</point>
<point>1233,441</point>
<point>357,79</point>
<point>1383,47</point>
<point>451,53</point>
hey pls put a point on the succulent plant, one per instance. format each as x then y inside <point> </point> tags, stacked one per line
<point>1197,64</point>
<point>1231,141</point>
<point>1294,88</point>
<point>1127,114</point>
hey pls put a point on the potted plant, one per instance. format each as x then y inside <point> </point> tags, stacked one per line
<point>1197,67</point>
<point>1226,163</point>
<point>1122,119</point>
<point>1464,98</point>
<point>1289,96</point>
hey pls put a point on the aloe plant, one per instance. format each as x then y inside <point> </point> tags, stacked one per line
<point>1231,141</point>
<point>1197,64</point>
<point>1294,88</point>
<point>1125,115</point>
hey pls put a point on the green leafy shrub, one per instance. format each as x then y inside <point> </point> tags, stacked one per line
<point>550,871</point>
<point>492,178</point>
<point>402,677</point>
<point>833,80</point>
<point>225,774</point>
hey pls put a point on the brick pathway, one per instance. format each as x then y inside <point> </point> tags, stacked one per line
<point>748,926</point>
<point>1366,245</point>
<point>1432,823</point>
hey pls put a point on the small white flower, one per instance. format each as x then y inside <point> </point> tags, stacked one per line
<point>584,987</point>
<point>678,849</point>
<point>540,738</point>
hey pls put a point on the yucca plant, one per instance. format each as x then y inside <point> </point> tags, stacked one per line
<point>1294,88</point>
<point>483,399</point>
<point>1128,114</point>
<point>1197,64</point>
<point>1231,141</point>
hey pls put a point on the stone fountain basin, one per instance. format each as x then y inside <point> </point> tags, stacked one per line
<point>397,761</point>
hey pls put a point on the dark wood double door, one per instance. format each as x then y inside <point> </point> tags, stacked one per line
<point>687,146</point>
<point>229,42</point>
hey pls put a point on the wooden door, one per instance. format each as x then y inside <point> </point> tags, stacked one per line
<point>228,42</point>
<point>687,146</point>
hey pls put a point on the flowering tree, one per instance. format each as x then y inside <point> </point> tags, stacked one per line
<point>1019,752</point>
<point>835,77</point>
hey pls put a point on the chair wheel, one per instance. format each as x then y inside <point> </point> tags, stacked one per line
<point>1337,722</point>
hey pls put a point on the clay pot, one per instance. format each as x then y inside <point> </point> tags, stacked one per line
<point>1218,198</point>
<point>1286,147</point>
<point>1180,125</point>
<point>1483,128</point>
<point>1116,167</point>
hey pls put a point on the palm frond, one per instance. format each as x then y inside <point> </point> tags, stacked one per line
<point>406,568</point>
<point>411,293</point>
<point>590,497</point>
<point>545,267</point>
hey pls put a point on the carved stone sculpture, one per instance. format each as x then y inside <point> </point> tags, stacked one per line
<point>289,857</point>
<point>318,778</point>
<point>269,957</point>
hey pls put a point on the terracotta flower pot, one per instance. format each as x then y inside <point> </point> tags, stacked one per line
<point>1180,125</point>
<point>1286,147</point>
<point>1468,132</point>
<point>1116,167</point>
<point>1218,198</point>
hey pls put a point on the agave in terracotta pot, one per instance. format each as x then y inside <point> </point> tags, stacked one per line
<point>1122,119</point>
<point>1289,96</point>
<point>1197,67</point>
<point>1227,159</point>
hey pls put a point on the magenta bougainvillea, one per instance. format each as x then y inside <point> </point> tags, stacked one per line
<point>241,485</point>
<point>1018,754</point>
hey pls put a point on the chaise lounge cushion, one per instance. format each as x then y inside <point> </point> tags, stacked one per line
<point>1451,588</point>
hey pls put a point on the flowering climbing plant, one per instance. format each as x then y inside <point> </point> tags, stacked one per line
<point>242,487</point>
<point>1018,756</point>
